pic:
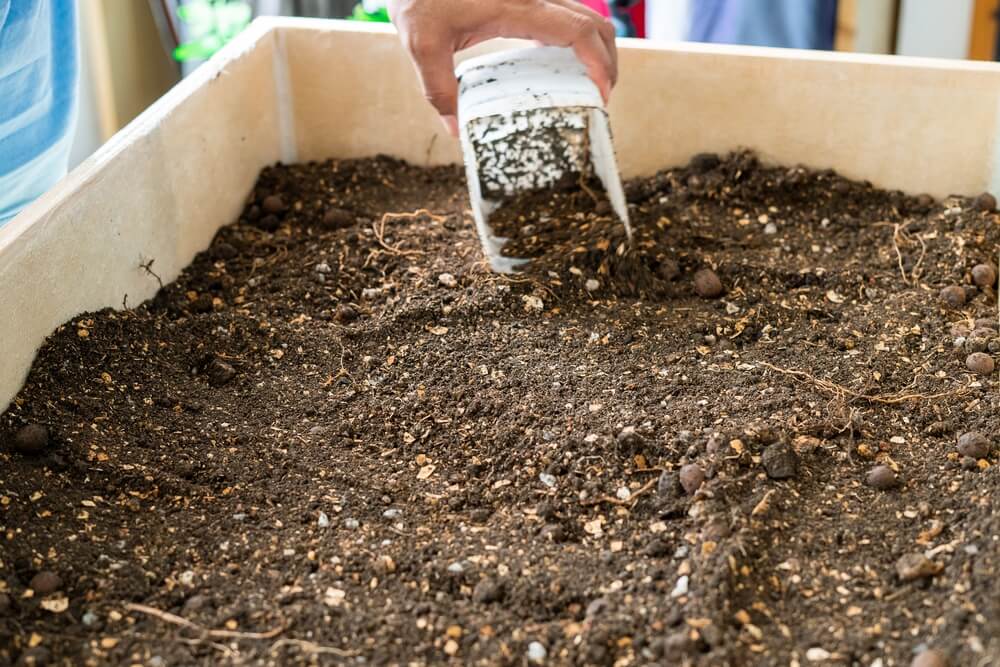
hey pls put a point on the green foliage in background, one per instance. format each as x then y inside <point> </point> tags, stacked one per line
<point>211,23</point>
<point>381,16</point>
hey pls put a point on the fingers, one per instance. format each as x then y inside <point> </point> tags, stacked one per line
<point>556,25</point>
<point>604,27</point>
<point>433,31</point>
<point>435,64</point>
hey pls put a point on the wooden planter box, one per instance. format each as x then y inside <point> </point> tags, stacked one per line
<point>294,89</point>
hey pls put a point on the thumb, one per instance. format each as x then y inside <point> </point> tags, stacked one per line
<point>435,63</point>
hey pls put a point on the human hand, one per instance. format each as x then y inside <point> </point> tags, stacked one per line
<point>433,30</point>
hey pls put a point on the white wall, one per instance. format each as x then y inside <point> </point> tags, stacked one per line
<point>935,28</point>
<point>667,20</point>
<point>87,138</point>
<point>875,28</point>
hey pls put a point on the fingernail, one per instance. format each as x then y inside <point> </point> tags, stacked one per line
<point>451,124</point>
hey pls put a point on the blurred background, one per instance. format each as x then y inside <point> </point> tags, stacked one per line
<point>132,51</point>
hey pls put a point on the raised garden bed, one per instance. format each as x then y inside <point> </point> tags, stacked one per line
<point>491,468</point>
<point>339,437</point>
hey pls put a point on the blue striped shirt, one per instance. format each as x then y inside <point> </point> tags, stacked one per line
<point>38,90</point>
<point>799,24</point>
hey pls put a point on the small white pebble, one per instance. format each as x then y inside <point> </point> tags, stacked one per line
<point>456,568</point>
<point>681,588</point>
<point>392,513</point>
<point>547,479</point>
<point>817,654</point>
<point>322,267</point>
<point>447,280</point>
<point>770,229</point>
<point>352,524</point>
<point>623,493</point>
<point>537,653</point>
<point>533,304</point>
<point>592,285</point>
<point>323,521</point>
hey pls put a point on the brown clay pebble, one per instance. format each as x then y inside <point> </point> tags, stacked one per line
<point>973,444</point>
<point>31,439</point>
<point>657,548</point>
<point>954,296</point>
<point>345,313</point>
<point>707,284</point>
<point>668,270</point>
<point>984,275</point>
<point>780,462</point>
<point>930,658</point>
<point>269,223</point>
<point>985,202</point>
<point>882,478</point>
<point>692,477</point>
<point>980,363</point>
<point>337,218</point>
<point>273,204</point>
<point>487,591</point>
<point>224,251</point>
<point>703,162</point>
<point>668,484</point>
<point>220,373</point>
<point>203,304</point>
<point>45,582</point>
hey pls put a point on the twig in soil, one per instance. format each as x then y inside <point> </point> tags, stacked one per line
<point>764,505</point>
<point>148,268</point>
<point>174,619</point>
<point>380,229</point>
<point>314,648</point>
<point>899,232</point>
<point>842,391</point>
<point>590,193</point>
<point>632,500</point>
<point>221,648</point>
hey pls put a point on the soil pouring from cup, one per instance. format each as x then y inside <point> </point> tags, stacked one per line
<point>529,119</point>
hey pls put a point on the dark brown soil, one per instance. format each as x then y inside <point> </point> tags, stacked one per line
<point>339,438</point>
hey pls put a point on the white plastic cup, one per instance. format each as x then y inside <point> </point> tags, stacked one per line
<point>528,117</point>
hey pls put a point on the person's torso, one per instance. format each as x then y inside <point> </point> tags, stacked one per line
<point>38,76</point>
